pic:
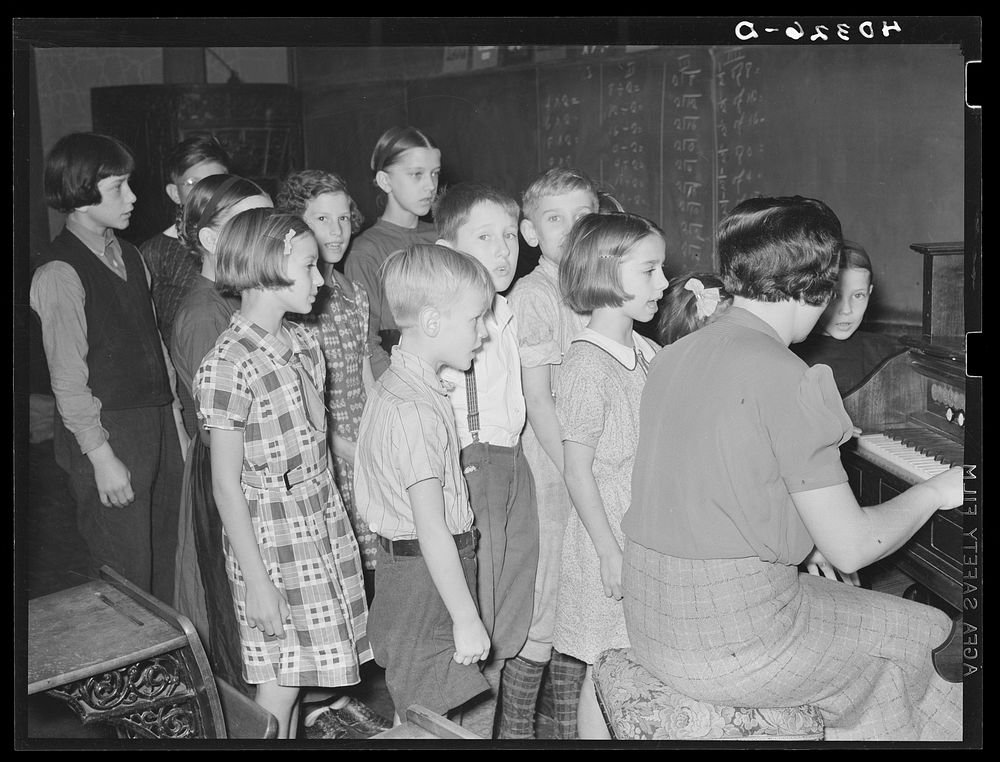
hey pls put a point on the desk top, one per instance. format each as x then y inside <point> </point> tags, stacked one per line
<point>423,723</point>
<point>91,629</point>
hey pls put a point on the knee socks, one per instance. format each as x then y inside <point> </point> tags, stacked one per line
<point>518,696</point>
<point>566,674</point>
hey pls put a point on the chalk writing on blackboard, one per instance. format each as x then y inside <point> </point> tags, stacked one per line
<point>560,114</point>
<point>568,116</point>
<point>629,128</point>
<point>739,127</point>
<point>688,145</point>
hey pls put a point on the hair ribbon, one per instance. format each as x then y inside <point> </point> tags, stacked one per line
<point>288,241</point>
<point>706,299</point>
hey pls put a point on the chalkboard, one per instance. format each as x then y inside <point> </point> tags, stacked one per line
<point>484,125</point>
<point>340,128</point>
<point>672,133</point>
<point>681,134</point>
<point>688,139</point>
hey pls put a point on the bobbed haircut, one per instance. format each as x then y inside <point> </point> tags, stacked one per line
<point>210,204</point>
<point>455,205</point>
<point>679,308</point>
<point>299,188</point>
<point>555,182</point>
<point>854,256</point>
<point>429,275</point>
<point>251,250</point>
<point>776,248</point>
<point>192,151</point>
<point>393,143</point>
<point>77,163</point>
<point>590,270</point>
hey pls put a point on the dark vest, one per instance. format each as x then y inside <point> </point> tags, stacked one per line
<point>124,357</point>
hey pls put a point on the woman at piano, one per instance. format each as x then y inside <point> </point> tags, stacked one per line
<point>738,477</point>
<point>853,355</point>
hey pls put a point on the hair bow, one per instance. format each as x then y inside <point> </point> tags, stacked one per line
<point>288,241</point>
<point>706,300</point>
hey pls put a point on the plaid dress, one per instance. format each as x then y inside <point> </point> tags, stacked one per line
<point>343,334</point>
<point>250,382</point>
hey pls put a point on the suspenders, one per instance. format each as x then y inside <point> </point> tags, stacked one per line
<point>472,400</point>
<point>472,396</point>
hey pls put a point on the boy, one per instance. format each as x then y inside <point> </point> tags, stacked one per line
<point>488,402</point>
<point>172,267</point>
<point>551,205</point>
<point>118,422</point>
<point>409,486</point>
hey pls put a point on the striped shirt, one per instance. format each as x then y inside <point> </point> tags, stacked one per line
<point>407,434</point>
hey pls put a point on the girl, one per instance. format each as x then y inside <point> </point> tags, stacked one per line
<point>291,557</point>
<point>406,165</point>
<point>613,270</point>
<point>836,341</point>
<point>322,200</point>
<point>168,258</point>
<point>201,588</point>
<point>739,476</point>
<point>691,301</point>
<point>546,326</point>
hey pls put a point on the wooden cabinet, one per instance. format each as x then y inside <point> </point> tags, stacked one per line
<point>259,125</point>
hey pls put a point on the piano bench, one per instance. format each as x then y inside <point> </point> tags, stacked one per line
<point>637,706</point>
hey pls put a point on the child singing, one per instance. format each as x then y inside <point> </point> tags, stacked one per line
<point>292,560</point>
<point>613,270</point>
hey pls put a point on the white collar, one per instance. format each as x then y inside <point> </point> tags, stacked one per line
<point>502,313</point>
<point>623,354</point>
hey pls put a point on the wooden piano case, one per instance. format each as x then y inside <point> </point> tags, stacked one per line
<point>920,393</point>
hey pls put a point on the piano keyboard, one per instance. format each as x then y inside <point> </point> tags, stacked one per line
<point>909,454</point>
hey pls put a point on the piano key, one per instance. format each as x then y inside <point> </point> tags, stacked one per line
<point>905,460</point>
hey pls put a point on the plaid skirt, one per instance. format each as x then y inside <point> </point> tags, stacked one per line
<point>308,548</point>
<point>743,632</point>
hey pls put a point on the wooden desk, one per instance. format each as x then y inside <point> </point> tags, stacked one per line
<point>423,723</point>
<point>117,655</point>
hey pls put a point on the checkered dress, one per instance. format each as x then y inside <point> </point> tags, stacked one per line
<point>343,333</point>
<point>248,381</point>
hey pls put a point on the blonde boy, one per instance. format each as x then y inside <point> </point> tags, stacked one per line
<point>488,403</point>
<point>553,202</point>
<point>423,624</point>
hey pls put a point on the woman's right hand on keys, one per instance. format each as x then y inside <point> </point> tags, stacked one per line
<point>949,487</point>
<point>267,609</point>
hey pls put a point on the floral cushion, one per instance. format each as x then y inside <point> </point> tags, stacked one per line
<point>637,705</point>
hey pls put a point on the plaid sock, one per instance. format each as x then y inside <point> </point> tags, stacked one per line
<point>566,674</point>
<point>518,695</point>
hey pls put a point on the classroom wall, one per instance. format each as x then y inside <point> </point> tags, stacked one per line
<point>876,131</point>
<point>65,76</point>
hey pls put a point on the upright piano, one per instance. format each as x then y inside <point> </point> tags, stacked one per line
<point>911,413</point>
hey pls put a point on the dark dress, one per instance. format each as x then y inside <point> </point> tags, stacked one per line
<point>852,360</point>
<point>201,586</point>
<point>174,270</point>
